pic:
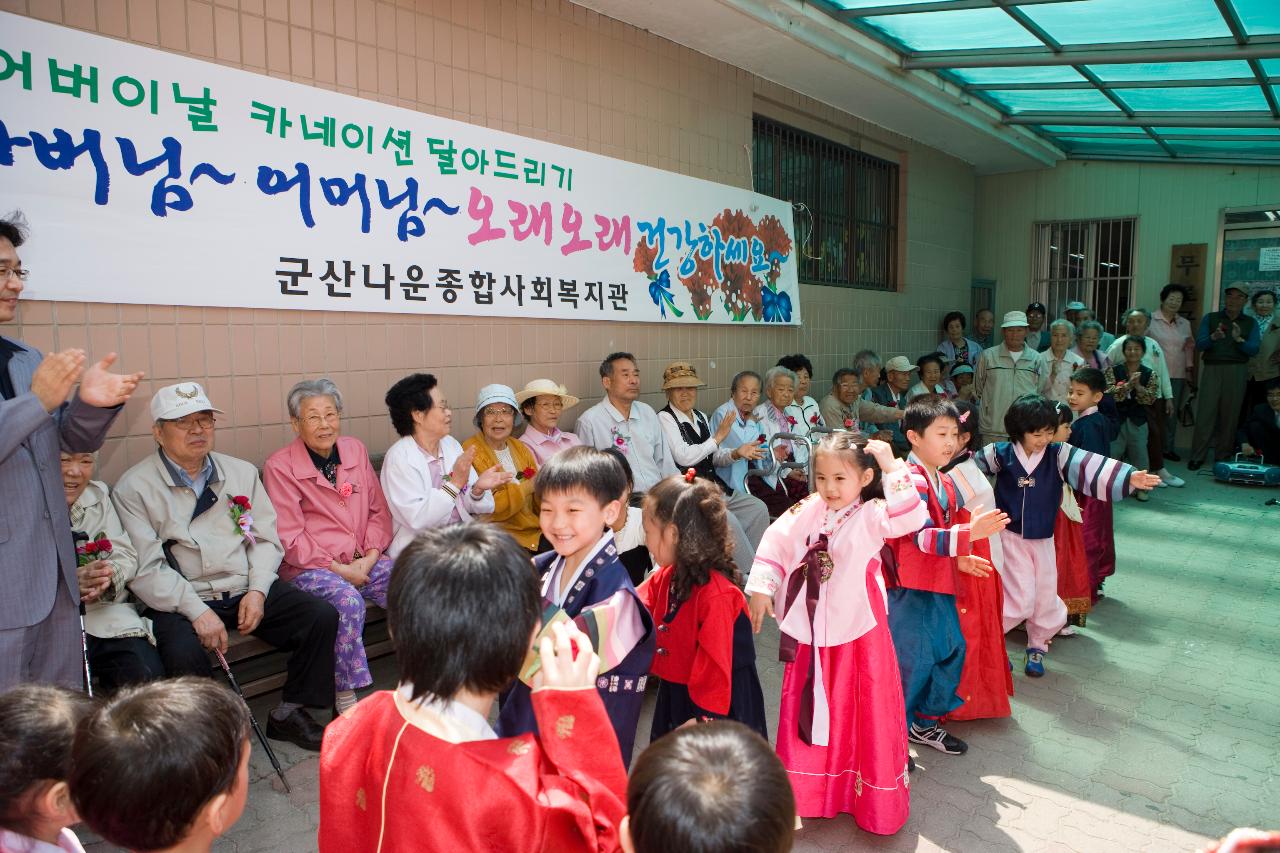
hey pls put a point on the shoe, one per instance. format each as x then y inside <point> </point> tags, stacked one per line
<point>937,737</point>
<point>1171,456</point>
<point>1167,478</point>
<point>298,729</point>
<point>1144,496</point>
<point>1035,662</point>
<point>1067,631</point>
<point>1161,484</point>
<point>911,764</point>
<point>1194,465</point>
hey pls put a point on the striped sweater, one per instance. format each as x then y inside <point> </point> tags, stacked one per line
<point>1031,498</point>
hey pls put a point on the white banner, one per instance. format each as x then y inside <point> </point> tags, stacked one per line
<point>157,179</point>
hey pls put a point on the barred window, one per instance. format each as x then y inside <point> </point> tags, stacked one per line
<point>1086,260</point>
<point>848,237</point>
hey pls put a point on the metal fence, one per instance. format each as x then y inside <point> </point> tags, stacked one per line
<point>847,231</point>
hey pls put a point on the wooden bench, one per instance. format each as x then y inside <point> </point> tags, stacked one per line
<point>261,669</point>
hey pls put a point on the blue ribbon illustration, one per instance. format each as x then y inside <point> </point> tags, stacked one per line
<point>776,305</point>
<point>660,293</point>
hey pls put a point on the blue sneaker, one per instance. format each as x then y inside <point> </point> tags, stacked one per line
<point>1035,662</point>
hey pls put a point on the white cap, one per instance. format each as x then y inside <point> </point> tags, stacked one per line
<point>177,401</point>
<point>1014,319</point>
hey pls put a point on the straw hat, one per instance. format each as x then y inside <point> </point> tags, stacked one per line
<point>548,388</point>
<point>680,374</point>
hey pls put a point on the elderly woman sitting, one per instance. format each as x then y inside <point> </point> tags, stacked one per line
<point>779,493</point>
<point>494,447</point>
<point>542,402</point>
<point>333,523</point>
<point>804,409</point>
<point>426,475</point>
<point>121,646</point>
<point>694,445</point>
<point>933,379</point>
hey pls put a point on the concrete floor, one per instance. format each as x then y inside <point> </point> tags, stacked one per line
<point>1155,729</point>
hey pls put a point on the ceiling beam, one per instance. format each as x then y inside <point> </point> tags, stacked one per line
<point>1171,137</point>
<point>1199,159</point>
<point>1149,119</point>
<point>1183,50</point>
<point>1120,84</point>
<point>932,6</point>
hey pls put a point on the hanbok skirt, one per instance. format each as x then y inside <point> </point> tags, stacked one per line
<point>1099,542</point>
<point>985,682</point>
<point>1074,586</point>
<point>862,771</point>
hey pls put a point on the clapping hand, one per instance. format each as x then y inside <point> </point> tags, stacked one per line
<point>985,524</point>
<point>974,565</point>
<point>568,660</point>
<point>462,468</point>
<point>107,390</point>
<point>56,376</point>
<point>492,478</point>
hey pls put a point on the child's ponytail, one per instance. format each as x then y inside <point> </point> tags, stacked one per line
<point>697,508</point>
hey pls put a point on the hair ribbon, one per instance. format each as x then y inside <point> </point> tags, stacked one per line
<point>689,475</point>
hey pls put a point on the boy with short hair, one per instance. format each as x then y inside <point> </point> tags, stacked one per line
<point>579,493</point>
<point>923,584</point>
<point>1093,430</point>
<point>419,768</point>
<point>163,766</point>
<point>1029,471</point>
<point>714,788</point>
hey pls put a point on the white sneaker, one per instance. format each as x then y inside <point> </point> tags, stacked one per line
<point>1169,479</point>
<point>1161,484</point>
<point>1067,631</point>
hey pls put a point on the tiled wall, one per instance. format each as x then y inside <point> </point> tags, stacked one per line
<point>545,69</point>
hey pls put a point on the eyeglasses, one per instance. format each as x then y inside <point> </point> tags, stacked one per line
<point>192,422</point>
<point>20,273</point>
<point>499,412</point>
<point>553,405</point>
<point>314,421</point>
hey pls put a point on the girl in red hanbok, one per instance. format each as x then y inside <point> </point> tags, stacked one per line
<point>841,725</point>
<point>706,656</point>
<point>986,683</point>
<point>1074,587</point>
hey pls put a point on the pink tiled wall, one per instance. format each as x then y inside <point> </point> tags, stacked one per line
<point>545,69</point>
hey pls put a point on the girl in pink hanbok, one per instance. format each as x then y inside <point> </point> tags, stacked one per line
<point>841,726</point>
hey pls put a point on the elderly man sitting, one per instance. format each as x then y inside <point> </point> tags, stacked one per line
<point>894,394</point>
<point>844,407</point>
<point>120,643</point>
<point>333,523</point>
<point>205,531</point>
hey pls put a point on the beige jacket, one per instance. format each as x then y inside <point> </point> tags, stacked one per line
<point>115,614</point>
<point>1261,367</point>
<point>212,553</point>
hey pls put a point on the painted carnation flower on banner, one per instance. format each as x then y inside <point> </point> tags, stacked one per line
<point>750,264</point>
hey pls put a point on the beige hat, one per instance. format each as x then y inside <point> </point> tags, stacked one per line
<point>680,374</point>
<point>1014,319</point>
<point>177,401</point>
<point>546,387</point>
<point>900,363</point>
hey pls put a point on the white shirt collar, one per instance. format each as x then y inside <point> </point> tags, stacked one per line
<point>1029,463</point>
<point>471,723</point>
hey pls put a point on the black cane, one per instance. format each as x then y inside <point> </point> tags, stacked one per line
<point>167,547</point>
<point>76,537</point>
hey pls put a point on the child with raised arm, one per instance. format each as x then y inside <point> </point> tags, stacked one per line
<point>840,725</point>
<point>925,582</point>
<point>419,768</point>
<point>37,725</point>
<point>706,656</point>
<point>1029,470</point>
<point>579,491</point>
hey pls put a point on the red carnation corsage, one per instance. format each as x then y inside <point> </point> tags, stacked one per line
<point>527,474</point>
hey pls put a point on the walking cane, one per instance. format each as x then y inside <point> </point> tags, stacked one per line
<point>167,547</point>
<point>78,536</point>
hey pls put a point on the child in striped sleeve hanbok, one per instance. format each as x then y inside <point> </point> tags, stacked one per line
<point>1029,470</point>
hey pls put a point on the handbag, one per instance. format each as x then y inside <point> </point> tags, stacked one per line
<point>1187,411</point>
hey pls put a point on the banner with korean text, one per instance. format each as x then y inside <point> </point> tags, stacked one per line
<point>153,178</point>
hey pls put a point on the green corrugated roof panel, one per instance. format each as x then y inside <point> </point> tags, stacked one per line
<point>1195,98</point>
<point>954,29</point>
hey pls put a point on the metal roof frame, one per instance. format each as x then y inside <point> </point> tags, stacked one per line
<point>1240,46</point>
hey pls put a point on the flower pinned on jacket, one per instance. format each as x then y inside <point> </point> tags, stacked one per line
<point>346,490</point>
<point>239,507</point>
<point>97,548</point>
<point>527,474</point>
<point>760,439</point>
<point>622,441</point>
<point>848,423</point>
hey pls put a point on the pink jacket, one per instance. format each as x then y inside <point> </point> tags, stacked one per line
<point>316,525</point>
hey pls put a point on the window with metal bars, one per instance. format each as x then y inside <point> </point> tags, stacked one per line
<point>1089,261</point>
<point>847,232</point>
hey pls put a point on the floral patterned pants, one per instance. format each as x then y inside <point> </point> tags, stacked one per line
<point>351,666</point>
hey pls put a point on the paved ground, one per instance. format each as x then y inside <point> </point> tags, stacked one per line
<point>1155,729</point>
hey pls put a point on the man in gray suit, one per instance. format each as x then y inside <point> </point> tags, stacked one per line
<point>39,628</point>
